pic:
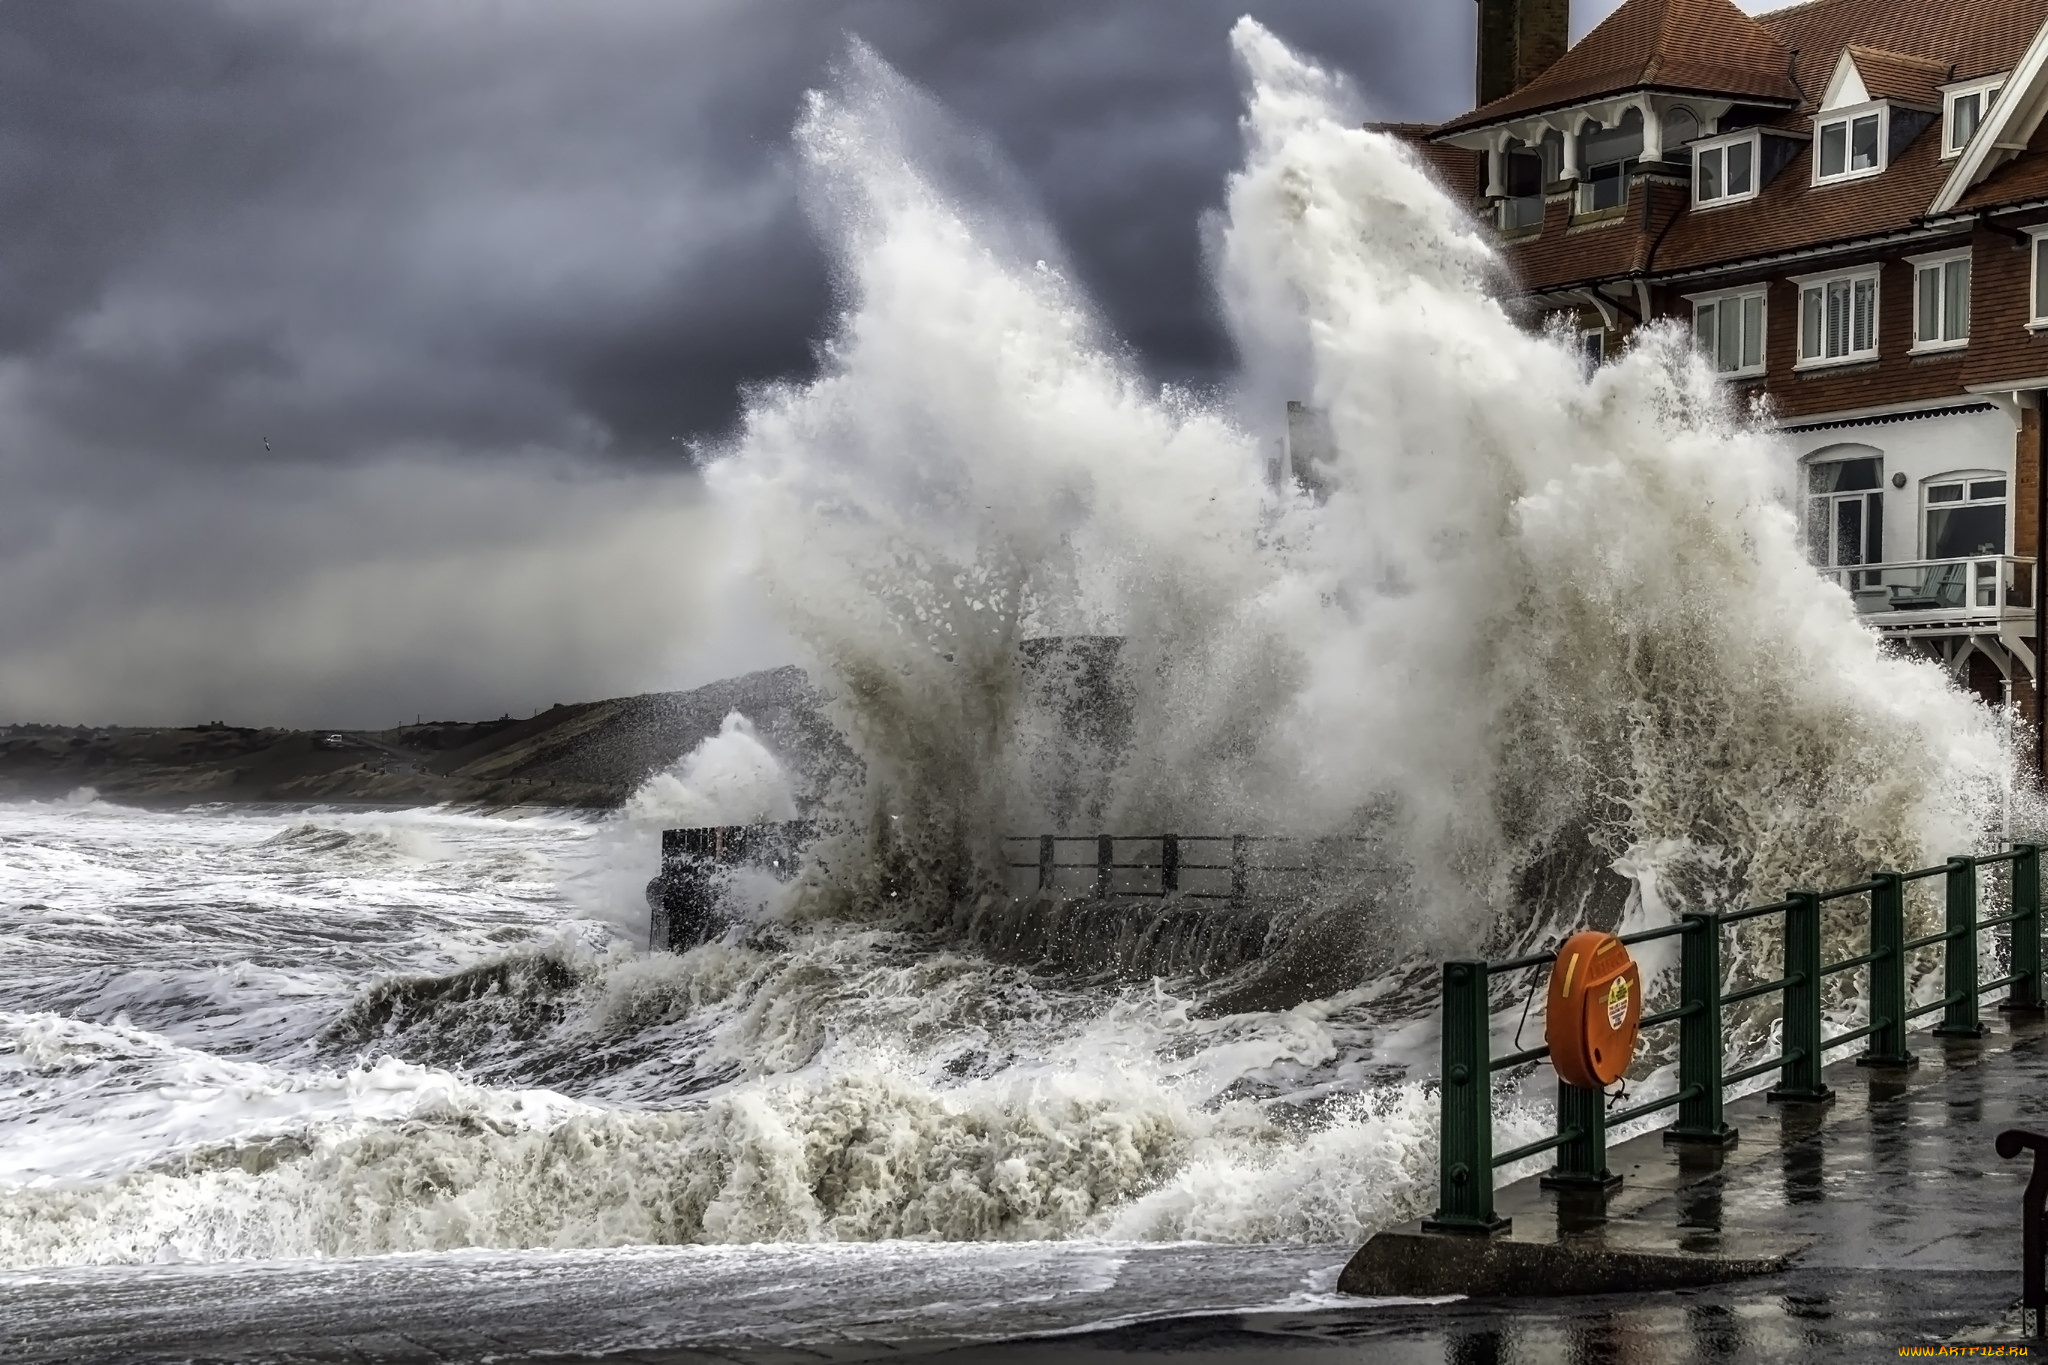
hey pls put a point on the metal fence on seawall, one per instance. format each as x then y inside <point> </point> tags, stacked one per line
<point>1468,1159</point>
<point>1217,867</point>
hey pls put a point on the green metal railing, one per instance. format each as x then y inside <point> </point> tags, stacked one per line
<point>1468,1159</point>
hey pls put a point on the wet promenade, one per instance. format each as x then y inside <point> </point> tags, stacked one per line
<point>1901,1222</point>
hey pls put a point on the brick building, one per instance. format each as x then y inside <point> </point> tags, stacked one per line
<point>1847,200</point>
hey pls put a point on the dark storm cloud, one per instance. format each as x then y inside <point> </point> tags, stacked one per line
<point>296,295</point>
<point>347,227</point>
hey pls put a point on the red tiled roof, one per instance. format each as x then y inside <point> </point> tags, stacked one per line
<point>1976,37</point>
<point>1682,45</point>
<point>2016,181</point>
<point>1792,211</point>
<point>1904,51</point>
<point>1900,76</point>
<point>1900,47</point>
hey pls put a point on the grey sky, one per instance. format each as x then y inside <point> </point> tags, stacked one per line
<point>390,312</point>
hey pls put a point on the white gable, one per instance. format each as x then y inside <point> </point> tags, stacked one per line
<point>2007,127</point>
<point>1846,86</point>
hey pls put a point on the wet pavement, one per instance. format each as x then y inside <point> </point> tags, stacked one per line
<point>1907,1224</point>
<point>1823,1315</point>
<point>1897,1173</point>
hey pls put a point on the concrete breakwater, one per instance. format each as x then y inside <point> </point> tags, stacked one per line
<point>1276,927</point>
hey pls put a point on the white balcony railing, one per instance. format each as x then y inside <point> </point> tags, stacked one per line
<point>1601,193</point>
<point>1924,591</point>
<point>1521,211</point>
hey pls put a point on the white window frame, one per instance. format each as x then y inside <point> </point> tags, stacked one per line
<point>1592,343</point>
<point>1719,297</point>
<point>1965,477</point>
<point>2037,317</point>
<point>1821,282</point>
<point>1987,90</point>
<point>1720,144</point>
<point>1849,115</point>
<point>1933,260</point>
<point>1820,507</point>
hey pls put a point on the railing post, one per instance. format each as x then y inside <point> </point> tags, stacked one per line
<point>1887,1045</point>
<point>1105,857</point>
<point>1700,1037</point>
<point>2025,995</point>
<point>1959,975</point>
<point>1582,1158</point>
<point>2033,1227</point>
<point>1169,864</point>
<point>1238,864</point>
<point>1465,1145</point>
<point>1046,858</point>
<point>1799,1079</point>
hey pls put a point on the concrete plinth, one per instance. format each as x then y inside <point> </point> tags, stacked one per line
<point>1406,1262</point>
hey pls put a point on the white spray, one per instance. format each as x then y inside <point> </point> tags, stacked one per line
<point>1538,623</point>
<point>731,778</point>
<point>1542,627</point>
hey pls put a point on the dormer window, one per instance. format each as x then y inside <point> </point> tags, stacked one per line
<point>1849,145</point>
<point>1725,170</point>
<point>1966,107</point>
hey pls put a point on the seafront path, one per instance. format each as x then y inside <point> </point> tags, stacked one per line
<point>1898,1224</point>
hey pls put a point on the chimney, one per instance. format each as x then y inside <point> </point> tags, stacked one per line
<point>1518,39</point>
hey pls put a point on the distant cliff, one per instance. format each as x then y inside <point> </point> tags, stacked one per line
<point>590,754</point>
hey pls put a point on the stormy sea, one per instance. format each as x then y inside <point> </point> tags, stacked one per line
<point>1537,647</point>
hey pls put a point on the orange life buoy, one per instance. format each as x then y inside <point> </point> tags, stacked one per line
<point>1596,1001</point>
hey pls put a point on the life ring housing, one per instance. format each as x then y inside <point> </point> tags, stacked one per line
<point>1596,1002</point>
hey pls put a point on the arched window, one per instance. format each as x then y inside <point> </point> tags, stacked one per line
<point>1681,126</point>
<point>1845,506</point>
<point>1606,156</point>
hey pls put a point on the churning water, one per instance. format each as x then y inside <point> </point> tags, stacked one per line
<point>1544,642</point>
